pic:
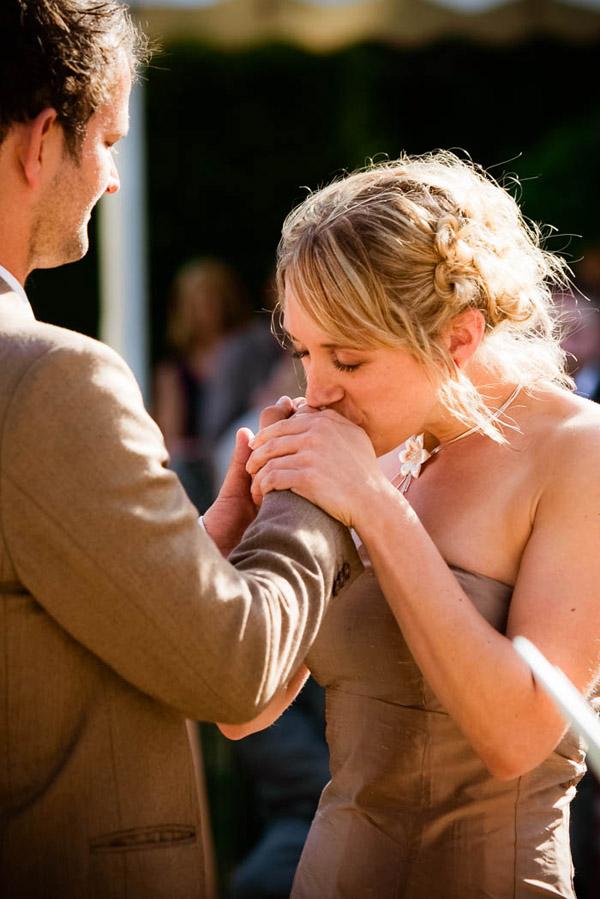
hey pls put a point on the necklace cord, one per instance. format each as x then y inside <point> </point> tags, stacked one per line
<point>407,479</point>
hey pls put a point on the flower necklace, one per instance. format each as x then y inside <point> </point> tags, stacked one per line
<point>414,455</point>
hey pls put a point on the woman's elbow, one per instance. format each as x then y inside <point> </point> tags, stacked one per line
<point>506,770</point>
<point>510,764</point>
<point>234,731</point>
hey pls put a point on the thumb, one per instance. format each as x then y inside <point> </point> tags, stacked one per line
<point>237,476</point>
<point>242,451</point>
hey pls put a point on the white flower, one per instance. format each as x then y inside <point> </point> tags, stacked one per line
<point>413,456</point>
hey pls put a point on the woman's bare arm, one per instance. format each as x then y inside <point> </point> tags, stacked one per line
<point>472,668</point>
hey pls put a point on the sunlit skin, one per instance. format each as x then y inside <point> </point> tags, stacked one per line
<point>46,200</point>
<point>50,193</point>
<point>382,393</point>
<point>65,208</point>
<point>384,390</point>
<point>524,512</point>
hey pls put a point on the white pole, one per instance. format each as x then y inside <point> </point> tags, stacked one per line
<point>123,253</point>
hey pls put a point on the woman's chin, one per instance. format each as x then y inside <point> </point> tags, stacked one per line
<point>383,447</point>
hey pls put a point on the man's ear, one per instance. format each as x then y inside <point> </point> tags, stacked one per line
<point>37,141</point>
<point>464,335</point>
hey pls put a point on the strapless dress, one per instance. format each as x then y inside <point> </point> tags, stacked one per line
<point>411,812</point>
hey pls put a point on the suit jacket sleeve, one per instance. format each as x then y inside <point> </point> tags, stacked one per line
<point>103,536</point>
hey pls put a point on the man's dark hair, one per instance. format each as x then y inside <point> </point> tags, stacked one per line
<point>62,54</point>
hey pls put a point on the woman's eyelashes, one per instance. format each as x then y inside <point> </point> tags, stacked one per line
<point>340,366</point>
<point>344,366</point>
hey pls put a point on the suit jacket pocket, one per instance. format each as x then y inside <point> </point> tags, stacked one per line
<point>160,836</point>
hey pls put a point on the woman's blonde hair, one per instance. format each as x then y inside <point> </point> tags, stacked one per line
<point>389,255</point>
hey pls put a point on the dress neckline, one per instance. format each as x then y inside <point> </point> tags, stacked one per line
<point>479,576</point>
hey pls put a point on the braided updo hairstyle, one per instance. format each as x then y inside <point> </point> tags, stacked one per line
<point>389,255</point>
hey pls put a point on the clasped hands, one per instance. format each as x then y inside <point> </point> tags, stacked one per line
<point>316,453</point>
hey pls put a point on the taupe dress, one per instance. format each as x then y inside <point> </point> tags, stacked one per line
<point>411,812</point>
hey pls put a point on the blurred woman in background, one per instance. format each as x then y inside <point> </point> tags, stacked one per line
<point>207,303</point>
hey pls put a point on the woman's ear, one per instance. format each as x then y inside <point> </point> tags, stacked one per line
<point>464,335</point>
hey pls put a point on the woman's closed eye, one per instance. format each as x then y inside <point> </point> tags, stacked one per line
<point>337,363</point>
<point>345,366</point>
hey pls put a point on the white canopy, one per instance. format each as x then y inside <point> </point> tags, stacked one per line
<point>325,25</point>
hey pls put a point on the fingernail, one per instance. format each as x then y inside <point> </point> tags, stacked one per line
<point>251,443</point>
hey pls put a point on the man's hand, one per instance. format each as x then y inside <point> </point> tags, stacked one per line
<point>234,509</point>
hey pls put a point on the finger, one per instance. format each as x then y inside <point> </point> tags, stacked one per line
<point>304,408</point>
<point>296,424</point>
<point>282,446</point>
<point>299,401</point>
<point>241,450</point>
<point>257,496</point>
<point>281,410</point>
<point>236,473</point>
<point>277,476</point>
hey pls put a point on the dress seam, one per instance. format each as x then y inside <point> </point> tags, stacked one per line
<point>517,800</point>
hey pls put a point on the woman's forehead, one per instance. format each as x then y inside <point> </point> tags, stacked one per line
<point>300,327</point>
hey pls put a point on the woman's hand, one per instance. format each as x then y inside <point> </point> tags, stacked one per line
<point>323,457</point>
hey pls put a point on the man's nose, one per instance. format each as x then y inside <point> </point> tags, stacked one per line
<point>114,182</point>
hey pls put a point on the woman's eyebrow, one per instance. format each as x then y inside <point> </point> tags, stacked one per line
<point>325,346</point>
<point>287,336</point>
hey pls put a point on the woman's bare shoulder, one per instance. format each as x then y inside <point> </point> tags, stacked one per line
<point>567,431</point>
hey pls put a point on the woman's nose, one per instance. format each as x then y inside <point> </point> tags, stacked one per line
<point>320,392</point>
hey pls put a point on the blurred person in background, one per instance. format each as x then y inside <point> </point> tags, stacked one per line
<point>245,362</point>
<point>254,372</point>
<point>207,304</point>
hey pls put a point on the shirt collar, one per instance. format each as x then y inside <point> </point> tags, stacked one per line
<point>14,285</point>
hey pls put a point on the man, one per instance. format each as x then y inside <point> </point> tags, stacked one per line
<point>120,616</point>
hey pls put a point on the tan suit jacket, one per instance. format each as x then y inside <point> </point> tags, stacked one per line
<point>119,620</point>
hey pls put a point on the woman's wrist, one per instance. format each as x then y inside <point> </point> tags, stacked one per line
<point>375,498</point>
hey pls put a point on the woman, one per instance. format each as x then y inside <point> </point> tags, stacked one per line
<point>419,302</point>
<point>207,305</point>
